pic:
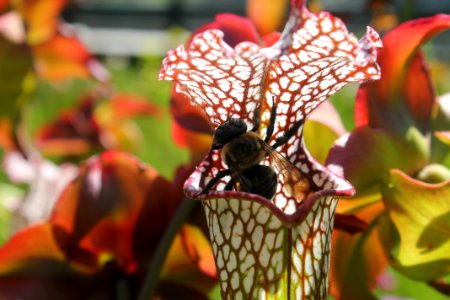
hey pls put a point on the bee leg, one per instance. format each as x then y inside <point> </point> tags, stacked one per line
<point>270,128</point>
<point>256,121</point>
<point>287,134</point>
<point>229,185</point>
<point>221,174</point>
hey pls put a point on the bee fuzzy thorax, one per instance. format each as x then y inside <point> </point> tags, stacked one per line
<point>244,151</point>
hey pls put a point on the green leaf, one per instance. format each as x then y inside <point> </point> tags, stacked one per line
<point>420,213</point>
<point>366,155</point>
<point>16,63</point>
<point>440,124</point>
<point>402,287</point>
<point>319,147</point>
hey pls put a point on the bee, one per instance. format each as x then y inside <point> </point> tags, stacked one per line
<point>243,152</point>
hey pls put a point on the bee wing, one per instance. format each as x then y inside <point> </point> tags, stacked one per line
<point>240,181</point>
<point>294,182</point>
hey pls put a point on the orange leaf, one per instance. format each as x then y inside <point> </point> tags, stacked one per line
<point>63,57</point>
<point>33,244</point>
<point>357,260</point>
<point>7,142</point>
<point>41,16</point>
<point>190,260</point>
<point>267,15</point>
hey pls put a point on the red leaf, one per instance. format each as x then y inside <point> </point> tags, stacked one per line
<point>115,195</point>
<point>187,115</point>
<point>161,201</point>
<point>404,95</point>
<point>190,128</point>
<point>197,143</point>
<point>270,39</point>
<point>75,132</point>
<point>3,5</point>
<point>349,223</point>
<point>236,29</point>
<point>298,3</point>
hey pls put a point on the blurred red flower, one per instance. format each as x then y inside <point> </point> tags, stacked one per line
<point>101,236</point>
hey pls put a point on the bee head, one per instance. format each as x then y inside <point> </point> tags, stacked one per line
<point>227,131</point>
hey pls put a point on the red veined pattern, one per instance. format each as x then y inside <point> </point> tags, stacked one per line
<point>263,253</point>
<point>253,255</point>
<point>272,249</point>
<point>315,57</point>
<point>223,82</point>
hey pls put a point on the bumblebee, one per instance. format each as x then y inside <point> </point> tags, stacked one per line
<point>243,152</point>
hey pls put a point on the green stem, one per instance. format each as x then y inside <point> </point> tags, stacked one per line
<point>152,277</point>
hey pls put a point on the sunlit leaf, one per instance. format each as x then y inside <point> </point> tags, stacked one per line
<point>41,17</point>
<point>32,245</point>
<point>434,173</point>
<point>444,136</point>
<point>421,215</point>
<point>190,260</point>
<point>34,267</point>
<point>190,127</point>
<point>404,96</point>
<point>440,150</point>
<point>365,157</point>
<point>325,123</point>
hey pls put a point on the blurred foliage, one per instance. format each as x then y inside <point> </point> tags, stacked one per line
<point>154,142</point>
<point>45,73</point>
